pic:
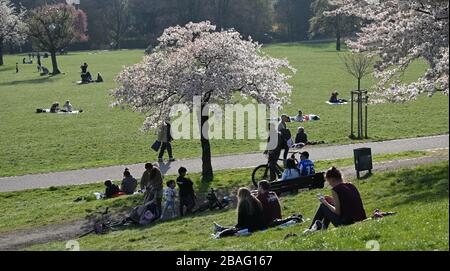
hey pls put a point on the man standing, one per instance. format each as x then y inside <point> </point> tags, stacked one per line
<point>165,137</point>
<point>152,181</point>
<point>286,134</point>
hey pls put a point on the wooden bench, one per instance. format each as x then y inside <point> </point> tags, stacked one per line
<point>309,182</point>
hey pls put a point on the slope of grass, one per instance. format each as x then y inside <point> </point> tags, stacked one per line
<point>39,207</point>
<point>418,195</point>
<point>34,143</point>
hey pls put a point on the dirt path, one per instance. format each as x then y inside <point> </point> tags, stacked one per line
<point>84,176</point>
<point>16,240</point>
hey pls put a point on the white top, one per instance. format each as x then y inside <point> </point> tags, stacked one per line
<point>68,107</point>
<point>290,173</point>
<point>170,194</point>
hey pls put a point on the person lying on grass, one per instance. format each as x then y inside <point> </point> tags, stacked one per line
<point>344,207</point>
<point>250,215</point>
<point>271,206</point>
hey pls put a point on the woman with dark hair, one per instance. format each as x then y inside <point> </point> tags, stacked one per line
<point>345,207</point>
<point>291,171</point>
<point>250,215</point>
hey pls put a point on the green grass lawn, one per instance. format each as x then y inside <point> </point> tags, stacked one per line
<point>418,195</point>
<point>34,143</point>
<point>39,207</point>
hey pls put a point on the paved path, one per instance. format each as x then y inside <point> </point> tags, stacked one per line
<point>84,176</point>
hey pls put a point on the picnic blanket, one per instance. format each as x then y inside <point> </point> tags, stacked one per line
<point>74,112</point>
<point>309,117</point>
<point>342,103</point>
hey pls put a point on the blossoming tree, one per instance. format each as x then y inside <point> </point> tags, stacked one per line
<point>12,26</point>
<point>400,32</point>
<point>198,61</point>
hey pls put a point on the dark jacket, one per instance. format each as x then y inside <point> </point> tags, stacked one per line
<point>301,138</point>
<point>251,221</point>
<point>186,186</point>
<point>129,185</point>
<point>111,191</point>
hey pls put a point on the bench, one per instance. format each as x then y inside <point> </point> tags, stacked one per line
<point>315,181</point>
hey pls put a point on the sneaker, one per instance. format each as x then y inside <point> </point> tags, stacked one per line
<point>172,159</point>
<point>315,227</point>
<point>217,228</point>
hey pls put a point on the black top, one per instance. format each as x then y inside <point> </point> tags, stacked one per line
<point>84,68</point>
<point>251,221</point>
<point>111,191</point>
<point>186,186</point>
<point>301,138</point>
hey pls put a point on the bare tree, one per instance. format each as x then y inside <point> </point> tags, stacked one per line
<point>358,65</point>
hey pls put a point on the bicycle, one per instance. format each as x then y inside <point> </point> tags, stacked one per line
<point>262,172</point>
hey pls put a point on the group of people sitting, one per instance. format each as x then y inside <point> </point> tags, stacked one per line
<point>151,184</point>
<point>56,108</point>
<point>86,76</point>
<point>334,98</point>
<point>261,210</point>
<point>295,169</point>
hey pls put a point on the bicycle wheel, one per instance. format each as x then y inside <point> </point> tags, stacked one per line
<point>260,173</point>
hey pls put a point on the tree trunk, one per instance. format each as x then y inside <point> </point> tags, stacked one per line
<point>207,170</point>
<point>54,63</point>
<point>1,53</point>
<point>338,33</point>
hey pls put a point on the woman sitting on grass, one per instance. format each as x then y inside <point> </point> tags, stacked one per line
<point>250,215</point>
<point>345,207</point>
<point>291,172</point>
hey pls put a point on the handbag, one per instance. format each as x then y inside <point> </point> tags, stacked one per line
<point>156,145</point>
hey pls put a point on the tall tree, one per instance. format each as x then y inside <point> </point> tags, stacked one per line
<point>399,33</point>
<point>197,61</point>
<point>117,19</point>
<point>12,26</point>
<point>293,17</point>
<point>54,27</point>
<point>340,25</point>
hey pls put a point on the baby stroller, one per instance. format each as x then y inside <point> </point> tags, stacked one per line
<point>144,214</point>
<point>212,202</point>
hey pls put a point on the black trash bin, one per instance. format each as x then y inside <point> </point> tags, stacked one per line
<point>363,160</point>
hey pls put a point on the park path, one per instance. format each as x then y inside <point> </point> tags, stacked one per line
<point>20,239</point>
<point>85,176</point>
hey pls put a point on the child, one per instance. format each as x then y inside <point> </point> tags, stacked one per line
<point>170,194</point>
<point>187,195</point>
<point>111,189</point>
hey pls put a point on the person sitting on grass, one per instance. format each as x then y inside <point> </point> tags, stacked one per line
<point>305,165</point>
<point>291,171</point>
<point>55,108</point>
<point>344,207</point>
<point>99,78</point>
<point>301,136</point>
<point>334,98</point>
<point>299,117</point>
<point>67,107</point>
<point>186,194</point>
<point>129,183</point>
<point>250,215</point>
<point>271,206</point>
<point>44,71</point>
<point>111,189</point>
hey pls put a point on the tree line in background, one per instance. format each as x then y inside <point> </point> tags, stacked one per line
<point>115,24</point>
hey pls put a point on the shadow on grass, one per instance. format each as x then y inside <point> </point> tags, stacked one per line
<point>44,79</point>
<point>6,68</point>
<point>421,185</point>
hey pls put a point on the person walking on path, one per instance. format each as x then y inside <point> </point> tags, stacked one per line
<point>17,67</point>
<point>165,137</point>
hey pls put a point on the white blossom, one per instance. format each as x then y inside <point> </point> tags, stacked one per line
<point>196,60</point>
<point>400,32</point>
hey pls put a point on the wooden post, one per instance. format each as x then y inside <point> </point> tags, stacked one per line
<point>351,117</point>
<point>367,101</point>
